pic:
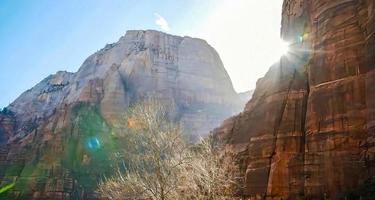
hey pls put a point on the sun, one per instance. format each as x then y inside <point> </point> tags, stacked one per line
<point>278,48</point>
<point>282,47</point>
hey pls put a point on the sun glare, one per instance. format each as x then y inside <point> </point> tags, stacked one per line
<point>282,47</point>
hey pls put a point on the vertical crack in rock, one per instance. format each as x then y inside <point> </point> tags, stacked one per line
<point>277,126</point>
<point>331,99</point>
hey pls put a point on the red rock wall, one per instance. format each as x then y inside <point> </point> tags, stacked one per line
<point>336,112</point>
<point>370,86</point>
<point>309,128</point>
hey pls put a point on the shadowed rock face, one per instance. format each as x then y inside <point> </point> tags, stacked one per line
<point>309,128</point>
<point>7,126</point>
<point>46,145</point>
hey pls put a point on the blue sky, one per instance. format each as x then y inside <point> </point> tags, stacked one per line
<point>40,37</point>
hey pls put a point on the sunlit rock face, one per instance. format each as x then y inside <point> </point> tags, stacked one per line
<point>185,71</point>
<point>61,137</point>
<point>309,128</point>
<point>41,100</point>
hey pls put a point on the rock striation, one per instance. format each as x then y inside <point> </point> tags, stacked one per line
<point>308,130</point>
<point>61,135</point>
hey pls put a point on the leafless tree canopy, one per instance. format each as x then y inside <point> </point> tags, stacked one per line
<point>162,164</point>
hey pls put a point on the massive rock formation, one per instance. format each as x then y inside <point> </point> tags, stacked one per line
<point>50,136</point>
<point>186,71</point>
<point>309,128</point>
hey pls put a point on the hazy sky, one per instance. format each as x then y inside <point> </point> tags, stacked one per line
<point>40,37</point>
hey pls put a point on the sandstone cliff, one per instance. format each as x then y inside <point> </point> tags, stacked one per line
<point>186,71</point>
<point>309,128</point>
<point>60,136</point>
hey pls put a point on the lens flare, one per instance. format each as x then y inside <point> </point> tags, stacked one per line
<point>93,143</point>
<point>7,187</point>
<point>282,47</point>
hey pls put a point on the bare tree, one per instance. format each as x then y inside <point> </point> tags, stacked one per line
<point>158,155</point>
<point>162,165</point>
<point>209,178</point>
<point>123,186</point>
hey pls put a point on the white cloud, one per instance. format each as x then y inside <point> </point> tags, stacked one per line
<point>161,22</point>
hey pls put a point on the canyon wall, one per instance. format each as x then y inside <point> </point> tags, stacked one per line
<point>308,130</point>
<point>58,139</point>
<point>185,71</point>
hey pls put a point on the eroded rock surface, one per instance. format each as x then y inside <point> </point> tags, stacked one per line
<point>309,128</point>
<point>62,135</point>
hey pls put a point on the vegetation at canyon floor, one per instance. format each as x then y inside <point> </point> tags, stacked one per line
<point>162,164</point>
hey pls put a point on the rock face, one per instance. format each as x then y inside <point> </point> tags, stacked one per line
<point>47,142</point>
<point>186,71</point>
<point>7,126</point>
<point>309,128</point>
